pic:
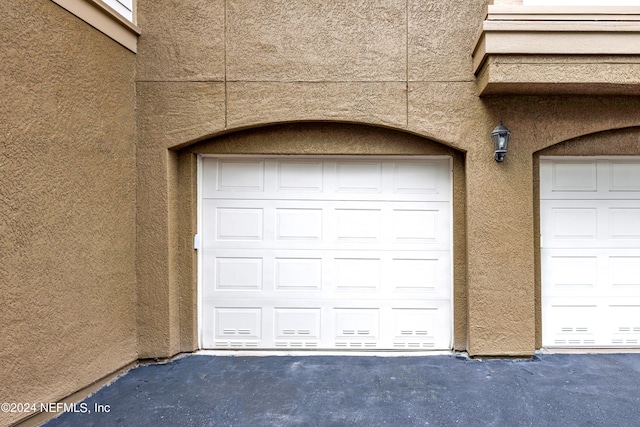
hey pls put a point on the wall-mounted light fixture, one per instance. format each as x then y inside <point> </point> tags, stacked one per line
<point>500,137</point>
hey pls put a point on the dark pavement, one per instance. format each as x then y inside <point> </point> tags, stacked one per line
<point>201,390</point>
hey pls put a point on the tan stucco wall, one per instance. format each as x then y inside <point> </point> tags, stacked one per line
<point>508,213</point>
<point>98,171</point>
<point>225,66</point>
<point>67,204</point>
<point>240,64</point>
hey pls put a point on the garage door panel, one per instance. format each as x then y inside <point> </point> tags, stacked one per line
<point>360,225</point>
<point>300,176</point>
<point>570,273</point>
<point>233,176</point>
<point>325,225</point>
<point>241,273</point>
<point>254,323</point>
<point>570,324</point>
<point>232,326</point>
<point>358,274</point>
<point>573,223</point>
<point>296,179</point>
<point>356,325</point>
<point>411,325</point>
<point>580,178</point>
<point>418,225</point>
<point>239,223</point>
<point>414,178</point>
<point>298,224</point>
<point>295,273</point>
<point>593,322</point>
<point>624,223</point>
<point>285,273</point>
<point>624,327</point>
<point>590,223</point>
<point>297,324</point>
<point>568,177</point>
<point>418,274</point>
<point>591,272</point>
<point>625,272</point>
<point>624,176</point>
<point>359,177</point>
<point>590,252</point>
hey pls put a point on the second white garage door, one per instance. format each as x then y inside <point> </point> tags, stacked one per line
<point>326,253</point>
<point>590,239</point>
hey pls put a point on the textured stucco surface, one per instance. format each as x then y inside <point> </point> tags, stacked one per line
<point>500,283</point>
<point>181,40</point>
<point>251,103</point>
<point>400,65</point>
<point>502,219</point>
<point>67,204</point>
<point>98,159</point>
<point>441,38</point>
<point>307,40</point>
<point>175,112</point>
<point>449,112</point>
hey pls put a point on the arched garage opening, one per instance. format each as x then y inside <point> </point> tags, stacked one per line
<point>589,226</point>
<point>323,236</point>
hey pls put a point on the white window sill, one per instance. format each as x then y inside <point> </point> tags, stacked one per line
<point>506,12</point>
<point>104,19</point>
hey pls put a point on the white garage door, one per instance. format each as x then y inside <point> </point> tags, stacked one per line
<point>590,240</point>
<point>326,253</point>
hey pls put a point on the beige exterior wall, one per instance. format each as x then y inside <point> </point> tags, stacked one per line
<point>239,64</point>
<point>99,173</point>
<point>67,204</point>
<point>404,65</point>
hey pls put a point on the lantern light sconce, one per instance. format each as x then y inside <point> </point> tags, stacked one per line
<point>500,137</point>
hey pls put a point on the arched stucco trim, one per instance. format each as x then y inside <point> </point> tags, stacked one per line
<point>304,138</point>
<point>612,141</point>
<point>266,125</point>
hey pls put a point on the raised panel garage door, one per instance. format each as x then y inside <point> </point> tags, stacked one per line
<point>325,253</point>
<point>590,240</point>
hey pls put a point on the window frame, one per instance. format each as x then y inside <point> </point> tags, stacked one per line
<point>106,19</point>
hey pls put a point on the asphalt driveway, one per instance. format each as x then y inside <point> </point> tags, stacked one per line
<point>200,390</point>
